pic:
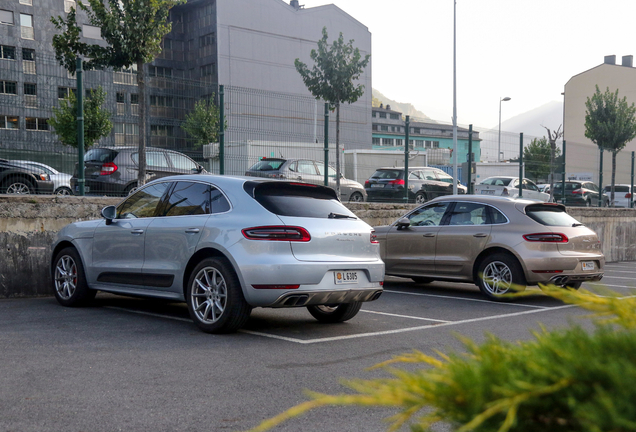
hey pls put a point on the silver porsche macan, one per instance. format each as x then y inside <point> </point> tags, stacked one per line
<point>496,243</point>
<point>224,245</point>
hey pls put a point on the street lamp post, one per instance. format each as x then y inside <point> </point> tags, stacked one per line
<point>506,99</point>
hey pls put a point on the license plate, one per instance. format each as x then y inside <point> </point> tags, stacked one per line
<point>86,189</point>
<point>588,265</point>
<point>346,277</point>
<point>488,192</point>
<point>377,185</point>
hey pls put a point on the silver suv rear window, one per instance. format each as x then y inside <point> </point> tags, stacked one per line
<point>299,200</point>
<point>551,215</point>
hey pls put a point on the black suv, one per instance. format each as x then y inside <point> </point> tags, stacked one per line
<point>20,179</point>
<point>579,193</point>
<point>425,183</point>
<point>114,170</point>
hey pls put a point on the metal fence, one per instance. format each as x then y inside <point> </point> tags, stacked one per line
<point>259,124</point>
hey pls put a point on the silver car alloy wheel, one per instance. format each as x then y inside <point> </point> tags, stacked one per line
<point>326,308</point>
<point>209,295</point>
<point>497,278</point>
<point>18,188</point>
<point>65,277</point>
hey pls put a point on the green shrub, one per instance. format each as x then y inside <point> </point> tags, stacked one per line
<point>566,380</point>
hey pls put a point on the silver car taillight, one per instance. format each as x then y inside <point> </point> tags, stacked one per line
<point>277,233</point>
<point>374,237</point>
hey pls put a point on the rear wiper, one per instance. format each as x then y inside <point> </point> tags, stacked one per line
<point>340,216</point>
<point>577,224</point>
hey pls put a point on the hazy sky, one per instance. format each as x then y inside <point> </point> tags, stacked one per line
<point>524,49</point>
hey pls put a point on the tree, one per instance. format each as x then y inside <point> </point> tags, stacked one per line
<point>536,157</point>
<point>97,122</point>
<point>336,67</point>
<point>610,123</point>
<point>552,137</point>
<point>132,30</point>
<point>203,123</point>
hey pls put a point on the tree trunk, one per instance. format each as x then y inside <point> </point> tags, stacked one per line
<point>143,121</point>
<point>337,150</point>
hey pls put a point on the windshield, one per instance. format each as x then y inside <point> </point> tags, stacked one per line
<point>497,181</point>
<point>267,165</point>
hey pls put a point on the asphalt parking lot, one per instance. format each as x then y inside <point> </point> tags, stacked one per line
<point>132,364</point>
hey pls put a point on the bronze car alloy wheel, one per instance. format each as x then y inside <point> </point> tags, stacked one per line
<point>69,280</point>
<point>498,275</point>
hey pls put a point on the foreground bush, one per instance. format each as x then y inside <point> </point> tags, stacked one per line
<point>567,380</point>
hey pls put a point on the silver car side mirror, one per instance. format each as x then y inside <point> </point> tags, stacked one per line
<point>403,223</point>
<point>109,213</point>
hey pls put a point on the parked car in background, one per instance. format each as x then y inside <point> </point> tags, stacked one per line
<point>308,171</point>
<point>579,193</point>
<point>545,188</point>
<point>622,195</point>
<point>425,183</point>
<point>114,170</point>
<point>19,179</point>
<point>224,245</point>
<point>493,242</point>
<point>508,186</point>
<point>61,181</point>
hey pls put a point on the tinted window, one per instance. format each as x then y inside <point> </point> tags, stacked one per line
<point>387,174</point>
<point>297,200</point>
<point>182,162</point>
<point>142,203</point>
<point>527,184</point>
<point>495,216</point>
<point>468,214</point>
<point>330,171</point>
<point>267,165</point>
<point>617,188</point>
<point>306,167</point>
<point>429,215</point>
<point>550,215</point>
<point>496,181</point>
<point>153,159</point>
<point>442,176</point>
<point>219,204</point>
<point>429,175</point>
<point>187,198</point>
<point>100,155</point>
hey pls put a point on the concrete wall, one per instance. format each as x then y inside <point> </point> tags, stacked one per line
<point>28,226</point>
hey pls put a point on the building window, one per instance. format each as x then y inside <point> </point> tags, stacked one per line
<point>6,17</point>
<point>26,2</point>
<point>419,143</point>
<point>161,130</point>
<point>399,142</point>
<point>30,89</point>
<point>206,40</point>
<point>162,101</point>
<point>121,97</point>
<point>376,141</point>
<point>157,71</point>
<point>126,76</point>
<point>7,52</point>
<point>208,70</point>
<point>134,104</point>
<point>33,123</point>
<point>63,92</point>
<point>382,115</point>
<point>28,54</point>
<point>26,24</point>
<point>395,116</point>
<point>8,122</point>
<point>68,4</point>
<point>91,32</point>
<point>387,141</point>
<point>416,130</point>
<point>432,144</point>
<point>384,128</point>
<point>8,87</point>
<point>126,133</point>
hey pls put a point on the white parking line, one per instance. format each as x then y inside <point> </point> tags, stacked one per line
<point>149,313</point>
<point>467,299</point>
<point>620,271</point>
<point>409,329</point>
<point>405,316</point>
<point>617,277</point>
<point>601,285</point>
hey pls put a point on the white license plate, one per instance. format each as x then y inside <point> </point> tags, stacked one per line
<point>488,192</point>
<point>346,277</point>
<point>86,189</point>
<point>587,265</point>
<point>377,185</point>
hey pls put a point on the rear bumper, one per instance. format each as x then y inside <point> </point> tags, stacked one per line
<point>560,269</point>
<point>308,298</point>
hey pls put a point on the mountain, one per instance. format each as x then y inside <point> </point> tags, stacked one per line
<point>531,122</point>
<point>404,108</point>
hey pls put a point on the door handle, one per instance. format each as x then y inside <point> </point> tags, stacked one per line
<point>428,235</point>
<point>480,235</point>
<point>192,230</point>
<point>137,231</point>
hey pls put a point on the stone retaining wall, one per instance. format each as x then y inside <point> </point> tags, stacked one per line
<point>28,225</point>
